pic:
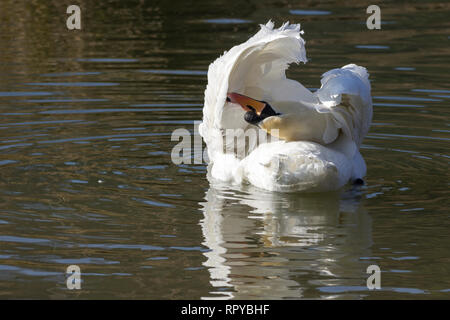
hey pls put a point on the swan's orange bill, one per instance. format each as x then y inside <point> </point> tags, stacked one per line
<point>247,103</point>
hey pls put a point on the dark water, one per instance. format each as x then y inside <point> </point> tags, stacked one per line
<point>86,176</point>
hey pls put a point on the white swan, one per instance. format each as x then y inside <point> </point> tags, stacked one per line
<point>319,134</point>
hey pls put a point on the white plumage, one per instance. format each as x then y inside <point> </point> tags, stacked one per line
<point>319,133</point>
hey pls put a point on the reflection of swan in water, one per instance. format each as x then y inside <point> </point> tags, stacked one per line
<point>271,245</point>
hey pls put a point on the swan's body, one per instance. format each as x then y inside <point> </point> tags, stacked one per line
<point>319,134</point>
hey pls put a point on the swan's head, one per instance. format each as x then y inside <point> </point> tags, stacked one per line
<point>247,103</point>
<point>256,110</point>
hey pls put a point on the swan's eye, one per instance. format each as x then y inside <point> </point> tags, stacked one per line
<point>251,117</point>
<point>228,99</point>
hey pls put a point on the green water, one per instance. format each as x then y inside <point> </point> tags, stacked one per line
<point>86,176</point>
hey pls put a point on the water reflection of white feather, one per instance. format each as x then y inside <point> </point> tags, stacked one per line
<point>271,245</point>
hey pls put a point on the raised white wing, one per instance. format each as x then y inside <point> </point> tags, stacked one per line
<point>255,68</point>
<point>345,92</point>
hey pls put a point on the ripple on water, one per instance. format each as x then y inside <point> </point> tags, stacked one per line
<point>347,289</point>
<point>4,162</point>
<point>309,12</point>
<point>227,21</point>
<point>154,203</point>
<point>107,60</point>
<point>25,93</point>
<point>405,68</point>
<point>69,74</point>
<point>176,72</point>
<point>74,84</point>
<point>374,47</point>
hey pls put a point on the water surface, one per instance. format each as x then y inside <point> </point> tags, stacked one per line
<point>86,176</point>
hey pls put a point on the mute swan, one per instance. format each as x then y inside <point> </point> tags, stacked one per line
<point>314,137</point>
